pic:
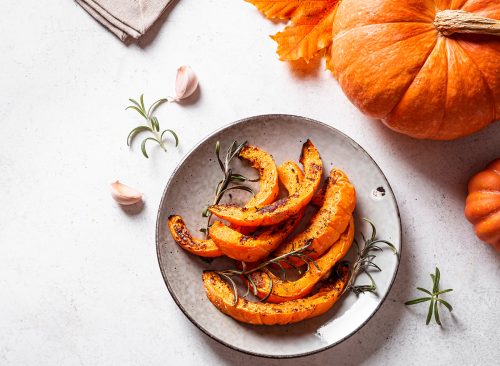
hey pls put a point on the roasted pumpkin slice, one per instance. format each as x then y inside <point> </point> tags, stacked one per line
<point>251,248</point>
<point>268,181</point>
<point>200,247</point>
<point>291,176</point>
<point>221,295</point>
<point>329,222</point>
<point>282,209</point>
<point>268,173</point>
<point>283,290</point>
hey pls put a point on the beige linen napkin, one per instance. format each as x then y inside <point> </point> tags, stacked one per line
<point>125,18</point>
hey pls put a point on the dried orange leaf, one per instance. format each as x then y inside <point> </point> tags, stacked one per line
<point>310,31</point>
<point>276,9</point>
<point>328,56</point>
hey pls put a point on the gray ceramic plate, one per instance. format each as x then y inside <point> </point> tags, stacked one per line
<point>191,188</point>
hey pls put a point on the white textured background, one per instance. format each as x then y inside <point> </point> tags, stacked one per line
<point>79,279</point>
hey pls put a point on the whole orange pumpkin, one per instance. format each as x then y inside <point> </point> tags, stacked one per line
<point>427,68</point>
<point>482,207</point>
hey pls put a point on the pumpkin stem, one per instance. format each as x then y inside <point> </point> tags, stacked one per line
<point>449,22</point>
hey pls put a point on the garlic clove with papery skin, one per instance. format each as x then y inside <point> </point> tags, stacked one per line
<point>186,83</point>
<point>124,194</point>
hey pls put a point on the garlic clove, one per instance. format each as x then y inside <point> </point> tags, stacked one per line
<point>124,194</point>
<point>186,83</point>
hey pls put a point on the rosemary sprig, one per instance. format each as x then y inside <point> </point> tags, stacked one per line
<point>300,253</point>
<point>365,261</point>
<point>152,124</point>
<point>229,180</point>
<point>433,298</point>
<point>363,264</point>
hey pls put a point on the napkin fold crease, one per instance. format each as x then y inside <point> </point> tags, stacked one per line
<point>125,18</point>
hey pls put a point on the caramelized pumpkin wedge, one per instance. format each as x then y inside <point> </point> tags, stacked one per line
<point>283,290</point>
<point>268,173</point>
<point>291,176</point>
<point>221,296</point>
<point>329,222</point>
<point>282,209</point>
<point>268,181</point>
<point>200,247</point>
<point>251,248</point>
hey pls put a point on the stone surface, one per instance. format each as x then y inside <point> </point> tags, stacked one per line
<point>79,276</point>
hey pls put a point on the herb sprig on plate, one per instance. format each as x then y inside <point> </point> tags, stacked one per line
<point>365,261</point>
<point>300,253</point>
<point>229,180</point>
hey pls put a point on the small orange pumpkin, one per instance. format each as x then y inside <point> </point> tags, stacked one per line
<point>482,207</point>
<point>426,68</point>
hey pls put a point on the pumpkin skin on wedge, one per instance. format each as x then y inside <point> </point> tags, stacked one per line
<point>395,63</point>
<point>283,290</point>
<point>251,248</point>
<point>482,207</point>
<point>329,222</point>
<point>201,247</point>
<point>282,209</point>
<point>221,296</point>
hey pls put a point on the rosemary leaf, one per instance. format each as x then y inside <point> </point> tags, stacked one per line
<point>142,102</point>
<point>445,303</point>
<point>155,105</point>
<point>155,124</point>
<point>136,131</point>
<point>241,178</point>
<point>176,138</point>
<point>437,277</point>
<point>238,187</point>
<point>270,287</point>
<point>436,313</point>
<point>233,285</point>
<point>424,290</point>
<point>429,314</point>
<point>138,110</point>
<point>417,301</point>
<point>143,146</point>
<point>444,291</point>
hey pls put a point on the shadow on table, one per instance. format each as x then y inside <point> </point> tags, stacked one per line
<point>449,164</point>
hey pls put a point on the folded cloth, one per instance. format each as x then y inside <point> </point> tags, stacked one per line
<point>125,18</point>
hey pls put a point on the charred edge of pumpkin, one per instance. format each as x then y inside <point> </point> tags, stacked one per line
<point>181,232</point>
<point>305,147</point>
<point>183,237</point>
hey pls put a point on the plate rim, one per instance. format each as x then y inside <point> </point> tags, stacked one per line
<point>185,312</point>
